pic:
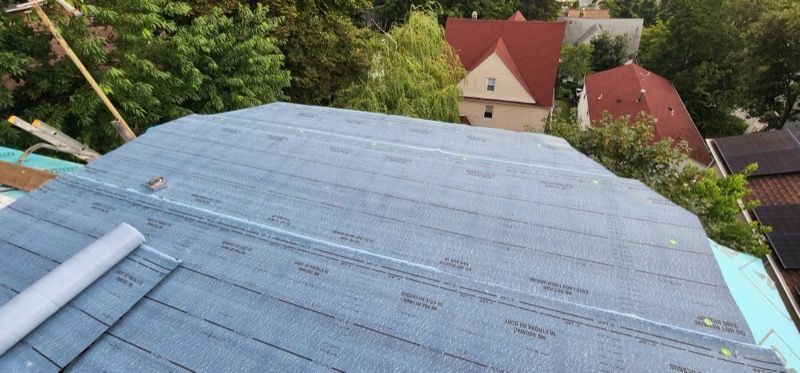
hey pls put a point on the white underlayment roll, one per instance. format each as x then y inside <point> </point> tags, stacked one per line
<point>26,311</point>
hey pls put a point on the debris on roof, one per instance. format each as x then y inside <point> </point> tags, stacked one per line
<point>631,89</point>
<point>49,165</point>
<point>315,238</point>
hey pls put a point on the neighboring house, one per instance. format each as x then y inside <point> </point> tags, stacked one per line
<point>776,185</point>
<point>588,13</point>
<point>583,30</point>
<point>300,238</point>
<point>629,90</point>
<point>512,68</point>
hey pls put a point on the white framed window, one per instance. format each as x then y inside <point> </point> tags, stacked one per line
<point>488,112</point>
<point>490,84</point>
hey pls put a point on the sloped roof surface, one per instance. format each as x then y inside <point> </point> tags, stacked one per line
<point>534,46</point>
<point>618,91</point>
<point>582,30</point>
<point>317,239</point>
<point>775,152</point>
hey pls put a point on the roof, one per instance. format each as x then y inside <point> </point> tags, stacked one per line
<point>583,30</point>
<point>775,183</point>
<point>589,13</point>
<point>773,190</point>
<point>618,92</point>
<point>775,152</point>
<point>314,238</point>
<point>36,161</point>
<point>785,235</point>
<point>534,47</point>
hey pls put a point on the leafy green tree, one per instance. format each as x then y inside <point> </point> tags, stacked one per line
<point>696,48</point>
<point>325,50</point>
<point>574,65</point>
<point>543,10</point>
<point>575,61</point>
<point>608,51</point>
<point>628,149</point>
<point>772,82</point>
<point>645,9</point>
<point>153,67</point>
<point>414,73</point>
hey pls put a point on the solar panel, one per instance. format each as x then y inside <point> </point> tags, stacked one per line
<point>775,152</point>
<point>785,236</point>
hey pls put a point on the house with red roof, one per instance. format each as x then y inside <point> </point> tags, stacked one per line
<point>629,90</point>
<point>512,66</point>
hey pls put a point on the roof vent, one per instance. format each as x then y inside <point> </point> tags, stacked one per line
<point>641,95</point>
<point>671,111</point>
<point>474,14</point>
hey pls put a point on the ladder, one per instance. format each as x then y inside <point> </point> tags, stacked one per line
<point>55,140</point>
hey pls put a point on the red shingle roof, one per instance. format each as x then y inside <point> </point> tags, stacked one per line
<point>776,190</point>
<point>618,91</point>
<point>533,46</point>
<point>517,16</point>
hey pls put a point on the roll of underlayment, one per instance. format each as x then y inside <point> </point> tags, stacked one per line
<point>26,311</point>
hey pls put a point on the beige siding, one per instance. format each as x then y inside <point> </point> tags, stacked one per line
<point>507,87</point>
<point>515,117</point>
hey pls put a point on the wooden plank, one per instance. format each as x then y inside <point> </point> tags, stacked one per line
<point>21,177</point>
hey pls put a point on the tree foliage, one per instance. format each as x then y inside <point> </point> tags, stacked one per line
<point>645,9</point>
<point>628,149</point>
<point>608,51</point>
<point>543,10</point>
<point>325,49</point>
<point>772,82</point>
<point>388,12</point>
<point>153,63</point>
<point>414,73</point>
<point>696,49</point>
<point>575,61</point>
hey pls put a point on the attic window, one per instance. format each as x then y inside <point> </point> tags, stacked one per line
<point>488,112</point>
<point>490,84</point>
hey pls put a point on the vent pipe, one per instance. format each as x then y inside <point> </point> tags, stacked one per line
<point>34,305</point>
<point>474,14</point>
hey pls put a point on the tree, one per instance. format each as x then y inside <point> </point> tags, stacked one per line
<point>608,51</point>
<point>645,9</point>
<point>153,67</point>
<point>324,46</point>
<point>575,61</point>
<point>628,149</point>
<point>543,10</point>
<point>772,83</point>
<point>696,48</point>
<point>414,73</point>
<point>325,50</point>
<point>572,68</point>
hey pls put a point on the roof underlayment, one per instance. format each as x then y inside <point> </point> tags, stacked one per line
<point>317,239</point>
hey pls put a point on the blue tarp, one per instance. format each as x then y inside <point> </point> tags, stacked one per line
<point>318,239</point>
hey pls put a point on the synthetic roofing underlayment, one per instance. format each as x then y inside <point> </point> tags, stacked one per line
<point>316,239</point>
